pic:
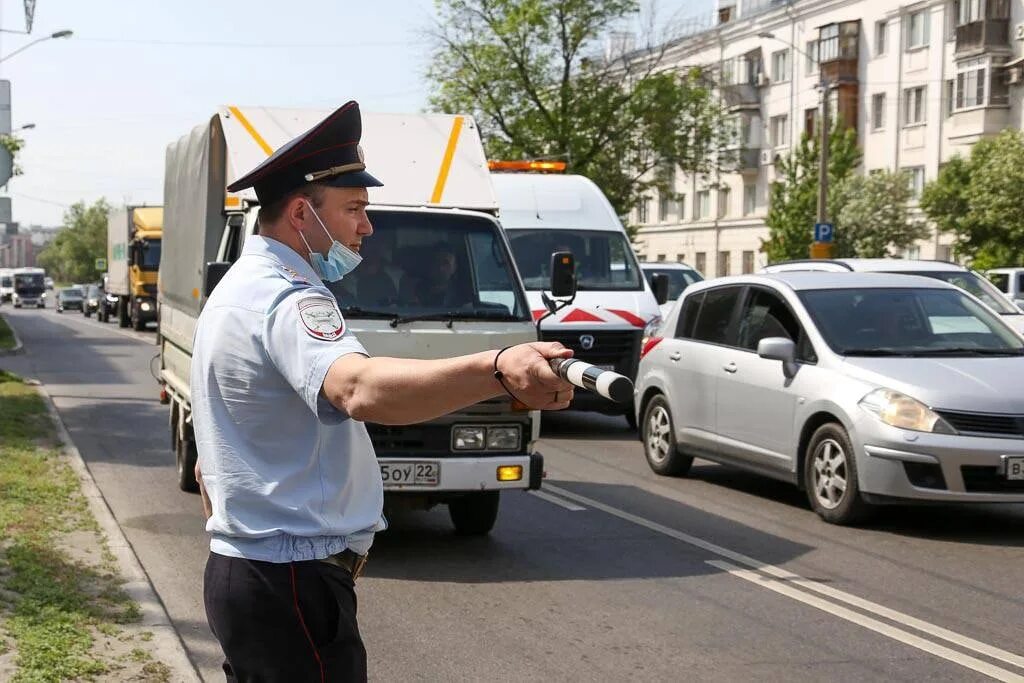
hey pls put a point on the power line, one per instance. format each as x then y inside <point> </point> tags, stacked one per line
<point>39,199</point>
<point>266,46</point>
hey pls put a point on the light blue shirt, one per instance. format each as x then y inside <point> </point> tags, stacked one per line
<point>289,476</point>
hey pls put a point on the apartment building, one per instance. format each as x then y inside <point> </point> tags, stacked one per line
<point>921,81</point>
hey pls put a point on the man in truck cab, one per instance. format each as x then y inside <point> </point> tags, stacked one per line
<point>281,389</point>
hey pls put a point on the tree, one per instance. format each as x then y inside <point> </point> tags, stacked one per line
<point>793,200</point>
<point>875,215</point>
<point>71,256</point>
<point>978,200</point>
<point>532,75</point>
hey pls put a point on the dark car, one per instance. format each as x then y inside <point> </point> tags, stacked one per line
<point>68,298</point>
<point>92,299</point>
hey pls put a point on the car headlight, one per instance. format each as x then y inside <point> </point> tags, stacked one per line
<point>902,411</point>
<point>503,438</point>
<point>468,438</point>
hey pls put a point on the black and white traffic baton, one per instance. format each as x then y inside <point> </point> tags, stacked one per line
<point>611,385</point>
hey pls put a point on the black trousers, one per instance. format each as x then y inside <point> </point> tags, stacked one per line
<point>284,622</point>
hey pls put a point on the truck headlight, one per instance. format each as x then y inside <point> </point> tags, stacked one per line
<point>902,411</point>
<point>503,438</point>
<point>468,438</point>
<point>145,306</point>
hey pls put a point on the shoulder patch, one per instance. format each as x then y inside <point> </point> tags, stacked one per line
<point>292,276</point>
<point>321,318</point>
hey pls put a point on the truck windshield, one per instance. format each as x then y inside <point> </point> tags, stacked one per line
<point>604,260</point>
<point>420,264</point>
<point>149,255</point>
<point>28,282</point>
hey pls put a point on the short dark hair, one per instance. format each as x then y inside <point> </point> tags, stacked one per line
<point>271,213</point>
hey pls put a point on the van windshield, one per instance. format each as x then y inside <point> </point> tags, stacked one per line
<point>604,259</point>
<point>421,264</point>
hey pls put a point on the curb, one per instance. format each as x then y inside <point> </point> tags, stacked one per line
<point>18,346</point>
<point>167,644</point>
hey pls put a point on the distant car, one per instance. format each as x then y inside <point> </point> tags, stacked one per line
<point>680,276</point>
<point>92,299</point>
<point>859,388</point>
<point>1009,281</point>
<point>48,282</point>
<point>70,298</point>
<point>954,274</point>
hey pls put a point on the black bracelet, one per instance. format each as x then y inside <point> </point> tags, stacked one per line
<point>500,376</point>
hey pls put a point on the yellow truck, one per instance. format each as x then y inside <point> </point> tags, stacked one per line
<point>134,236</point>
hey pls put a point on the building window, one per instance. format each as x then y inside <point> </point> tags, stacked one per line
<point>641,213</point>
<point>828,43</point>
<point>881,31</point>
<point>950,101</point>
<point>917,36</point>
<point>701,262</point>
<point>811,54</point>
<point>915,176</point>
<point>702,205</point>
<point>664,207</point>
<point>661,258</point>
<point>878,111</point>
<point>780,130</point>
<point>681,207</point>
<point>944,253</point>
<point>723,263</point>
<point>780,66</point>
<point>970,84</point>
<point>915,105</point>
<point>724,198</point>
<point>912,253</point>
<point>748,262</point>
<point>838,41</point>
<point>749,199</point>
<point>967,11</point>
<point>811,121</point>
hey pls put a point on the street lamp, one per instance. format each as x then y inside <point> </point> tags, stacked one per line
<point>59,34</point>
<point>825,86</point>
<point>27,126</point>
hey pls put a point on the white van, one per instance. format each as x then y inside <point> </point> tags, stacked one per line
<point>1010,281</point>
<point>614,308</point>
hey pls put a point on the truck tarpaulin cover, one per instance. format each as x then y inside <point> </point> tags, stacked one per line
<point>193,214</point>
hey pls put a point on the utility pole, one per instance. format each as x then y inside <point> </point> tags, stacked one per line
<point>826,125</point>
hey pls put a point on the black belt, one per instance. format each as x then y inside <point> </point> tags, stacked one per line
<point>349,560</point>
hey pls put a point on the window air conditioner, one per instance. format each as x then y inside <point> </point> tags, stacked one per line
<point>762,79</point>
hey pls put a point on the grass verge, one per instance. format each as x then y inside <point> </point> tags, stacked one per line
<point>61,602</point>
<point>6,336</point>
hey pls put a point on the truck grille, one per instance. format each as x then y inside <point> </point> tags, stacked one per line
<point>982,479</point>
<point>431,440</point>
<point>620,348</point>
<point>988,424</point>
<point>149,289</point>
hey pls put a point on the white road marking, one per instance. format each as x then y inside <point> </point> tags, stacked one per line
<point>772,584</point>
<point>544,495</point>
<point>795,579</point>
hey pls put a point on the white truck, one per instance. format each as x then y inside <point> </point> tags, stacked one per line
<point>6,284</point>
<point>437,206</point>
<point>615,308</point>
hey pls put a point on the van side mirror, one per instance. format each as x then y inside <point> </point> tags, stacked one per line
<point>563,274</point>
<point>659,284</point>
<point>213,273</point>
<point>779,348</point>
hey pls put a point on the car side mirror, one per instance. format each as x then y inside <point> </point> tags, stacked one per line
<point>213,273</point>
<point>563,274</point>
<point>779,348</point>
<point>659,285</point>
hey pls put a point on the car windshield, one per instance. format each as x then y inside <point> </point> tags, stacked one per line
<point>433,265</point>
<point>71,292</point>
<point>92,291</point>
<point>604,259</point>
<point>678,279</point>
<point>908,322</point>
<point>970,281</point>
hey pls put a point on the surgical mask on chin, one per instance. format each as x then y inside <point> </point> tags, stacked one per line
<point>340,259</point>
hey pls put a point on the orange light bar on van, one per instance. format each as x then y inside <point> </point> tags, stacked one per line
<point>232,202</point>
<point>550,166</point>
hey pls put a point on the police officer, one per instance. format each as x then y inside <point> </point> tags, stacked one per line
<point>280,390</point>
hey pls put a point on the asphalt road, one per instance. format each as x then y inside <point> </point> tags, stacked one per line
<point>611,573</point>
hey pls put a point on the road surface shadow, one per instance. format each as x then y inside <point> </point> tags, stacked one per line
<point>574,424</point>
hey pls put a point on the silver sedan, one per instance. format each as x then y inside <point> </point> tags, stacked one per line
<point>859,388</point>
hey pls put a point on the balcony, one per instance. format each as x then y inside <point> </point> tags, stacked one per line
<point>746,159</point>
<point>742,78</point>
<point>968,126</point>
<point>979,37</point>
<point>838,51</point>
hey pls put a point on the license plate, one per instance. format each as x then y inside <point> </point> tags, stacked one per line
<point>1015,468</point>
<point>410,473</point>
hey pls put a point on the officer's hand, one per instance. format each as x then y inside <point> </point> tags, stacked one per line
<point>528,375</point>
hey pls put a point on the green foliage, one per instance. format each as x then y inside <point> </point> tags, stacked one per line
<point>875,215</point>
<point>6,339</point>
<point>533,75</point>
<point>71,256</point>
<point>13,144</point>
<point>978,200</point>
<point>793,199</point>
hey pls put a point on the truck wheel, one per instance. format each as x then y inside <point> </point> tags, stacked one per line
<point>138,324</point>
<point>474,514</point>
<point>186,455</point>
<point>122,313</point>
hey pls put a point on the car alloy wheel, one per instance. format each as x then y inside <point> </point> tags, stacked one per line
<point>659,434</point>
<point>830,473</point>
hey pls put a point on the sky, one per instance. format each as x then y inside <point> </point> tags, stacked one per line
<point>138,75</point>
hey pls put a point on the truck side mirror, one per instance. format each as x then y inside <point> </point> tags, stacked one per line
<point>659,285</point>
<point>563,274</point>
<point>213,273</point>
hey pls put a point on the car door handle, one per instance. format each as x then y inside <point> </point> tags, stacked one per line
<point>675,355</point>
<point>730,368</point>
